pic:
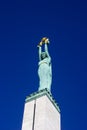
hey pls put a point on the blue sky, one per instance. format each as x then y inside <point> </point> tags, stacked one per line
<point>22,25</point>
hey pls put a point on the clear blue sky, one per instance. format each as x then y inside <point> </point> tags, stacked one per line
<point>22,25</point>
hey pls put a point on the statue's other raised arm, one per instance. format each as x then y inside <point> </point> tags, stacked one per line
<point>46,49</point>
<point>40,50</point>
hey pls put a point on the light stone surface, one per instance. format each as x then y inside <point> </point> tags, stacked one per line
<point>46,115</point>
<point>28,116</point>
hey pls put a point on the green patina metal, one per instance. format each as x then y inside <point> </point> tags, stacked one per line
<point>41,93</point>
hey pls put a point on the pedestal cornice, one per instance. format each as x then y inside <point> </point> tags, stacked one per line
<point>41,93</point>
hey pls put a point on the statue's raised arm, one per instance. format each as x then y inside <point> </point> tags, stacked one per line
<point>45,69</point>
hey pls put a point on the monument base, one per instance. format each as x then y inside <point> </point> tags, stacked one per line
<point>41,112</point>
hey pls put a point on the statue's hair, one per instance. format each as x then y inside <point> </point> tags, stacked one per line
<point>42,55</point>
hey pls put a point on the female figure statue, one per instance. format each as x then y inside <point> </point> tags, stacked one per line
<point>45,69</point>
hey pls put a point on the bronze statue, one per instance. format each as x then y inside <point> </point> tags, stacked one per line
<point>45,68</point>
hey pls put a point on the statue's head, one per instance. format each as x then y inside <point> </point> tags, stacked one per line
<point>43,55</point>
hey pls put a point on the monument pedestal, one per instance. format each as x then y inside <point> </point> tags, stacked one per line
<point>41,112</point>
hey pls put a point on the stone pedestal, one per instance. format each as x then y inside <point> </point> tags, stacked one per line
<point>41,112</point>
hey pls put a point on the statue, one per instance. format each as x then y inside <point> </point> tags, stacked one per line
<point>45,68</point>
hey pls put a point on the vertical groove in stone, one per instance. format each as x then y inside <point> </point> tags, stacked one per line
<point>34,115</point>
